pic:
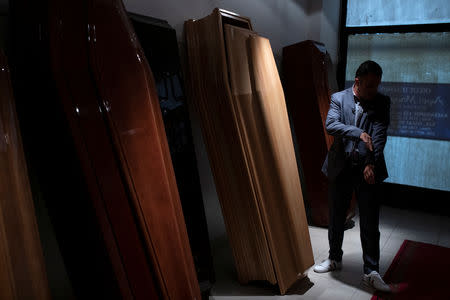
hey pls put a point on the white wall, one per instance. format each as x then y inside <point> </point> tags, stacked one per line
<point>283,22</point>
<point>323,25</point>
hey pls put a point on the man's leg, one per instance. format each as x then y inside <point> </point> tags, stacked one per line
<point>340,193</point>
<point>369,212</point>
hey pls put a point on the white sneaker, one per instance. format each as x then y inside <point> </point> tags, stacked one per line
<point>328,265</point>
<point>374,280</point>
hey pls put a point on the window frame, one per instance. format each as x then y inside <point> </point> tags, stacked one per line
<point>345,32</point>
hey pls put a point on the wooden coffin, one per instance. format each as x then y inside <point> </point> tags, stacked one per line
<point>79,263</point>
<point>22,268</point>
<point>247,135</point>
<point>308,98</point>
<point>108,101</point>
<point>164,62</point>
<point>113,109</point>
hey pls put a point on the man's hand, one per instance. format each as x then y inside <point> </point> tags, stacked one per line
<point>369,174</point>
<point>367,140</point>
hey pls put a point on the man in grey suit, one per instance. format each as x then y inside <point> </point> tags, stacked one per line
<point>358,119</point>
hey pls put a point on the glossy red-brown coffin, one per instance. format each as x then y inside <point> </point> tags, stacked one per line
<point>164,61</point>
<point>308,100</point>
<point>22,270</point>
<point>109,97</point>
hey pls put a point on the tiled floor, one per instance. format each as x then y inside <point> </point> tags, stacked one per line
<point>396,225</point>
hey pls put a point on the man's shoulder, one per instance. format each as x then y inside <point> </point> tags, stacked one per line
<point>342,94</point>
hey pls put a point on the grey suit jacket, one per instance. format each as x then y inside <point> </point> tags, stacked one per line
<point>340,123</point>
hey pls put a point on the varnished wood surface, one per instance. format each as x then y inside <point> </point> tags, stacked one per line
<point>164,61</point>
<point>77,92</point>
<point>279,185</point>
<point>22,268</point>
<point>131,107</point>
<point>308,99</point>
<point>110,102</point>
<point>83,270</point>
<point>249,145</point>
<point>211,96</point>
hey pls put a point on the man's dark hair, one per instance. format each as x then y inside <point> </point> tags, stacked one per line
<point>367,67</point>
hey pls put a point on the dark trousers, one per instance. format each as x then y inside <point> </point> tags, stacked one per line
<point>340,193</point>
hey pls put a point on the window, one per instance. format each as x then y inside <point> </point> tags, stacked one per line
<point>411,42</point>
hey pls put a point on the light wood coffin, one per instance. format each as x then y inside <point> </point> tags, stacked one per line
<point>237,92</point>
<point>22,268</point>
<point>308,98</point>
<point>109,98</point>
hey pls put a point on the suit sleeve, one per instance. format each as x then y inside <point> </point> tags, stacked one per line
<point>379,132</point>
<point>335,125</point>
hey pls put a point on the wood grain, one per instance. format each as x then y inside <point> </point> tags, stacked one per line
<point>110,102</point>
<point>280,192</point>
<point>22,268</point>
<point>133,117</point>
<point>249,144</point>
<point>211,96</point>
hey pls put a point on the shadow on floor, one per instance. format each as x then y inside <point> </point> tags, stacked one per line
<point>300,287</point>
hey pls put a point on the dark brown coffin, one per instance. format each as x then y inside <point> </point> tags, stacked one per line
<point>112,106</point>
<point>165,64</point>
<point>89,56</point>
<point>308,98</point>
<point>237,92</point>
<point>22,268</point>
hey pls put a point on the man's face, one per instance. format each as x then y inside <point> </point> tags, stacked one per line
<point>367,86</point>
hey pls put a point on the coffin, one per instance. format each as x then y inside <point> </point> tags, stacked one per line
<point>237,94</point>
<point>95,80</point>
<point>22,268</point>
<point>308,99</point>
<point>164,62</point>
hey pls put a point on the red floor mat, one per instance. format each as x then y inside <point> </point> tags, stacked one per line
<point>418,271</point>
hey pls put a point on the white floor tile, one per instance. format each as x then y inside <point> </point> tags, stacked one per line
<point>396,225</point>
<point>313,230</point>
<point>392,245</point>
<point>319,243</point>
<point>253,297</point>
<point>430,235</point>
<point>386,228</point>
<point>362,295</point>
<point>386,259</point>
<point>341,292</point>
